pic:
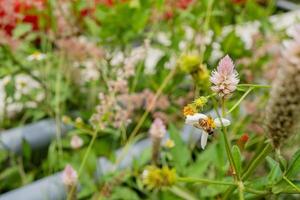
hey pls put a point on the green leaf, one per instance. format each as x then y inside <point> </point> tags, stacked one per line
<point>294,166</point>
<point>237,159</point>
<point>124,193</point>
<point>26,149</point>
<point>284,187</point>
<point>21,30</point>
<point>275,174</point>
<point>179,152</point>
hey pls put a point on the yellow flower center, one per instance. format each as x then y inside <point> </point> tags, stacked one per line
<point>189,110</point>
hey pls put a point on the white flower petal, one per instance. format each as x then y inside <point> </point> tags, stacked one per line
<point>221,121</point>
<point>204,137</point>
<point>193,119</point>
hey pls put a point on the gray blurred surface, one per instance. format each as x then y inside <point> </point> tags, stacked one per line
<point>49,188</point>
<point>38,135</point>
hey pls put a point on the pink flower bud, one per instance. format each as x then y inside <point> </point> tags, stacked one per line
<point>69,176</point>
<point>76,142</point>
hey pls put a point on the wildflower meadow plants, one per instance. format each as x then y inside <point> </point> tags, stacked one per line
<point>151,99</point>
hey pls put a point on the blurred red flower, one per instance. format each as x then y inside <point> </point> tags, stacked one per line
<point>14,11</point>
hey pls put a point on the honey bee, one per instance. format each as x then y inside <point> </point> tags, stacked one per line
<point>207,125</point>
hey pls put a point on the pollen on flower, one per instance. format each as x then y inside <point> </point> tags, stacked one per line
<point>189,110</point>
<point>210,122</point>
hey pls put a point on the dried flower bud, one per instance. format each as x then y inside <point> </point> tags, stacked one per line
<point>242,141</point>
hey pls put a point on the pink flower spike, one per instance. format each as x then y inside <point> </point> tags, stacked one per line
<point>225,79</point>
<point>157,129</point>
<point>225,66</point>
<point>69,176</point>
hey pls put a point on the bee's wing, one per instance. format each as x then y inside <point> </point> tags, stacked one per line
<point>204,137</point>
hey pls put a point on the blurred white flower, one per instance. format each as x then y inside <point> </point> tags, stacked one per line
<point>117,59</point>
<point>76,142</point>
<point>25,84</point>
<point>246,32</point>
<point>69,176</point>
<point>163,39</point>
<point>216,52</point>
<point>36,56</point>
<point>152,58</point>
<point>206,124</point>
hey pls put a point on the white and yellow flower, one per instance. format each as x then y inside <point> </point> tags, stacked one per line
<point>206,124</point>
<point>36,56</point>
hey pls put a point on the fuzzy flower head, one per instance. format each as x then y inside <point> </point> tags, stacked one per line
<point>157,178</point>
<point>206,124</point>
<point>225,78</point>
<point>69,176</point>
<point>157,129</point>
<point>76,142</point>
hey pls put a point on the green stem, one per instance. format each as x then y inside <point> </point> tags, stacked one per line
<point>240,100</point>
<point>241,190</point>
<point>83,163</point>
<point>227,144</point>
<point>254,191</point>
<point>182,193</point>
<point>291,184</point>
<point>252,166</point>
<point>206,181</point>
<point>254,85</point>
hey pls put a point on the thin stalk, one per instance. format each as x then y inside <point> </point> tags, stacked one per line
<point>254,85</point>
<point>227,144</point>
<point>57,109</point>
<point>291,183</point>
<point>241,190</point>
<point>254,191</point>
<point>72,190</point>
<point>240,100</point>
<point>144,116</point>
<point>182,193</point>
<point>206,181</point>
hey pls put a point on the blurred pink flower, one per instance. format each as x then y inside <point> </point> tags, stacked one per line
<point>225,78</point>
<point>157,129</point>
<point>69,176</point>
<point>76,142</point>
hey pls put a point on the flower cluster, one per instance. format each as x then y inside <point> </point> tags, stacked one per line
<point>225,78</point>
<point>27,94</point>
<point>157,178</point>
